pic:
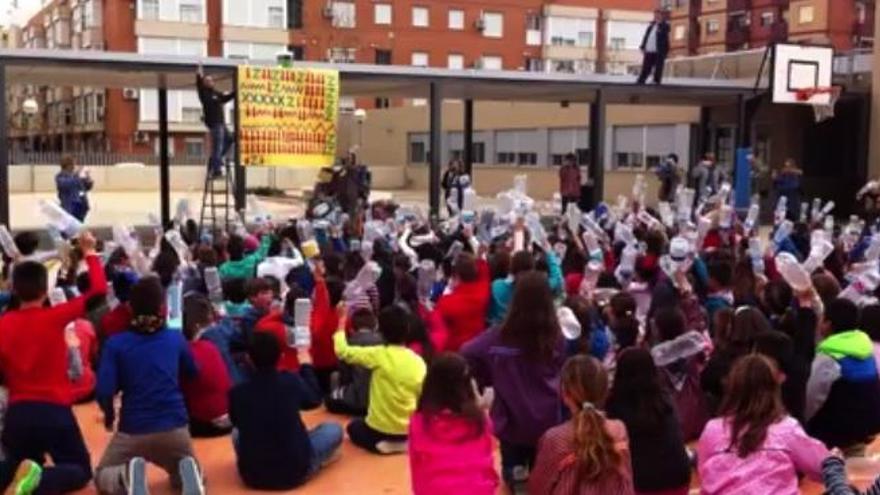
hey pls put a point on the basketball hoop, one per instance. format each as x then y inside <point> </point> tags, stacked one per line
<point>823,110</point>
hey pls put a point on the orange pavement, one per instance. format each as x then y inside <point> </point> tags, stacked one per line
<point>357,472</point>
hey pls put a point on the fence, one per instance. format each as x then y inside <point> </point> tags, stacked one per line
<point>100,159</point>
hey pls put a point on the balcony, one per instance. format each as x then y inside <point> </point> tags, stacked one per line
<point>862,30</point>
<point>739,5</point>
<point>779,31</point>
<point>737,35</point>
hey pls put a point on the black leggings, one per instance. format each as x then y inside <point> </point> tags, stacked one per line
<point>365,437</point>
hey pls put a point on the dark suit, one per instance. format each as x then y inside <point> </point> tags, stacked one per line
<point>654,61</point>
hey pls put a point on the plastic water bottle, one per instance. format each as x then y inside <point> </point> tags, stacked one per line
<point>827,209</point>
<point>260,215</point>
<point>57,296</point>
<point>816,208</point>
<point>533,222</point>
<point>682,347</point>
<point>873,251</point>
<point>752,217</point>
<point>638,190</point>
<point>685,204</point>
<point>756,255</point>
<point>454,250</point>
<point>623,233</point>
<point>568,322</point>
<point>214,285</point>
<point>870,186</point>
<point>805,211</point>
<point>860,289</point>
<point>520,185</point>
<point>427,274</point>
<point>8,243</point>
<point>60,219</point>
<point>592,246</point>
<point>667,216</point>
<point>724,193</point>
<point>469,201</point>
<point>299,336</point>
<point>781,210</point>
<point>819,252</point>
<point>627,264</point>
<point>175,300</point>
<point>782,232</point>
<point>725,215</point>
<point>829,224</point>
<point>793,272</point>
<point>182,212</point>
<point>176,240</point>
<point>573,215</point>
<point>649,221</point>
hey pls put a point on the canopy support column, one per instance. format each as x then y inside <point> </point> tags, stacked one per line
<point>5,149</point>
<point>435,109</point>
<point>240,185</point>
<point>597,148</point>
<point>164,162</point>
<point>468,151</point>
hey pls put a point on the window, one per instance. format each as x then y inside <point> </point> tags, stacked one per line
<point>625,35</point>
<point>492,63</point>
<point>617,68</point>
<point>191,11</point>
<point>533,22</point>
<point>639,147</point>
<point>535,65</point>
<point>276,17</point>
<point>419,59</point>
<point>194,147</point>
<point>382,103</point>
<point>150,10</point>
<point>343,14</point>
<point>568,140</point>
<point>712,26</point>
<point>382,13</point>
<point>571,66</point>
<point>418,149</point>
<point>456,19</point>
<point>383,57</point>
<point>767,19</point>
<point>518,147</point>
<point>679,32</point>
<point>296,13</point>
<point>493,25</point>
<point>298,52</point>
<point>527,158</point>
<point>342,55</point>
<point>455,61</point>
<point>420,17</point>
<point>570,31</point>
<point>191,114</point>
<point>806,14</point>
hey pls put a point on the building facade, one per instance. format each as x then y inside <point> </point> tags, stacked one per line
<point>713,26</point>
<point>536,35</point>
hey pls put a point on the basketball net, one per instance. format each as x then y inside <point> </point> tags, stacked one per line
<point>823,111</point>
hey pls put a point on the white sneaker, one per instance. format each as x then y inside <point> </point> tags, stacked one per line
<point>391,447</point>
<point>191,477</point>
<point>136,477</point>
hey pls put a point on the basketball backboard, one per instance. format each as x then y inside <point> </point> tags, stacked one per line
<point>797,67</point>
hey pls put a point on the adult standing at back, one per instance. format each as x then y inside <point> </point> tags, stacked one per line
<point>706,177</point>
<point>213,114</point>
<point>787,184</point>
<point>73,184</point>
<point>569,181</point>
<point>655,47</point>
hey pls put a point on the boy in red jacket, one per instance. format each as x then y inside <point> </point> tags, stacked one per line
<point>464,309</point>
<point>33,359</point>
<point>324,323</point>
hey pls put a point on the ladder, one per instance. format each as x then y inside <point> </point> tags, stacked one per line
<point>218,204</point>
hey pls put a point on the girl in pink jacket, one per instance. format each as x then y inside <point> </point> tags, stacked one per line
<point>754,446</point>
<point>450,437</point>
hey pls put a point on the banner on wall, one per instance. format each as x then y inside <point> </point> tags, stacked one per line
<point>287,117</point>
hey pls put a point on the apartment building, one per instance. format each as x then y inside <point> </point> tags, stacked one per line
<point>714,26</point>
<point>536,35</point>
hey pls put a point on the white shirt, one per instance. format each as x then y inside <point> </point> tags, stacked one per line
<point>651,41</point>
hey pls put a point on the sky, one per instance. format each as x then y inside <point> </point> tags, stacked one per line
<point>26,8</point>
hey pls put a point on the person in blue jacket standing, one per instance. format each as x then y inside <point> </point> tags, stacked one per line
<point>73,184</point>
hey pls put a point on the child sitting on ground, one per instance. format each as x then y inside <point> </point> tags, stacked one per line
<point>273,448</point>
<point>395,383</point>
<point>144,365</point>
<point>207,395</point>
<point>587,454</point>
<point>450,436</point>
<point>33,359</point>
<point>351,390</point>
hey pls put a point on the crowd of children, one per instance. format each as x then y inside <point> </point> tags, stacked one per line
<point>586,351</point>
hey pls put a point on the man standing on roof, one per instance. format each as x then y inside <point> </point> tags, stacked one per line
<point>655,46</point>
<point>213,115</point>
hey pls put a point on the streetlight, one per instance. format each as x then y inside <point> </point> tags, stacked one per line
<point>360,116</point>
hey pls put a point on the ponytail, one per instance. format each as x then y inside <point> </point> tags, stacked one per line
<point>594,448</point>
<point>585,382</point>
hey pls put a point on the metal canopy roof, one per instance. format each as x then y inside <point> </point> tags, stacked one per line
<point>131,70</point>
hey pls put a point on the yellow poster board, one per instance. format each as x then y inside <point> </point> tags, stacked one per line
<point>287,117</point>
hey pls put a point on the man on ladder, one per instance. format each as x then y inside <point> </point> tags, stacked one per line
<point>214,117</point>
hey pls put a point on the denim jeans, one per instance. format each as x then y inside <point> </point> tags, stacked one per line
<point>221,141</point>
<point>325,439</point>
